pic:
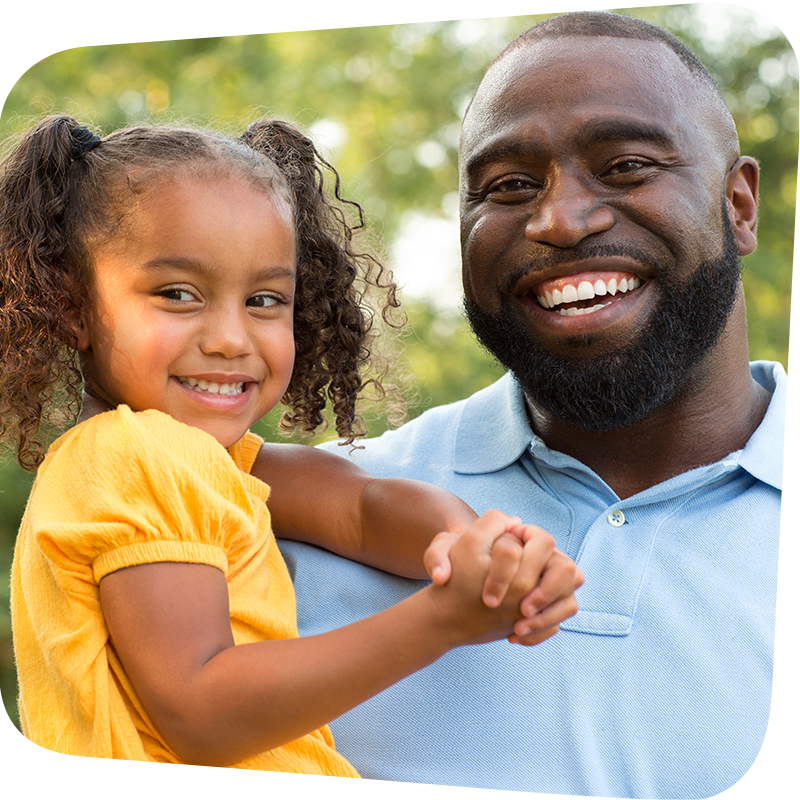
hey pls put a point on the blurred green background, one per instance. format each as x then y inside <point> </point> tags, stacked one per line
<point>385,105</point>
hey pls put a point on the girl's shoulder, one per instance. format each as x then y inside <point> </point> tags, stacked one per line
<point>136,432</point>
<point>132,446</point>
<point>123,478</point>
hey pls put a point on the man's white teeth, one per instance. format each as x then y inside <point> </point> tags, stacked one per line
<point>586,290</point>
<point>574,312</point>
<point>211,387</point>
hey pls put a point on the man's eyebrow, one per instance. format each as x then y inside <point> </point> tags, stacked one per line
<point>497,151</point>
<point>623,130</point>
<point>589,134</point>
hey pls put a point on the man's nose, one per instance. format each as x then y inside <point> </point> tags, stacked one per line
<point>568,211</point>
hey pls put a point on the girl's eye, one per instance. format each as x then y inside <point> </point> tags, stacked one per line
<point>176,294</point>
<point>262,301</point>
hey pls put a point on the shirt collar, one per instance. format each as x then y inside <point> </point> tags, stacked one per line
<point>762,456</point>
<point>493,430</point>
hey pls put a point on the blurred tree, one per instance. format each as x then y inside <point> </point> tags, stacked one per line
<point>392,128</point>
<point>385,103</point>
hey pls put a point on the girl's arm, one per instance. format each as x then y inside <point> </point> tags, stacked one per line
<point>216,703</point>
<point>401,526</point>
<point>324,499</point>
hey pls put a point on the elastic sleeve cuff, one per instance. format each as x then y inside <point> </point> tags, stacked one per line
<point>153,552</point>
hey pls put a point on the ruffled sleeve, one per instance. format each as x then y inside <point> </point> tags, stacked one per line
<point>129,488</point>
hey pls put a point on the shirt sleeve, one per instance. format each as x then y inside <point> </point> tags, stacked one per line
<point>133,488</point>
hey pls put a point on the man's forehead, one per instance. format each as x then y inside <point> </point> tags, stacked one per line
<point>597,74</point>
<point>585,65</point>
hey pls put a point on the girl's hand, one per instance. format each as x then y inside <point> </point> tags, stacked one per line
<point>551,602</point>
<point>507,551</point>
<point>516,559</point>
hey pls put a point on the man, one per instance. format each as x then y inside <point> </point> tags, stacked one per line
<point>604,207</point>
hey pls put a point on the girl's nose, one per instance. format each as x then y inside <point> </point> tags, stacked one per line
<point>225,333</point>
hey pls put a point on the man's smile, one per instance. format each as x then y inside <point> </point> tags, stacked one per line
<point>573,295</point>
<point>576,298</point>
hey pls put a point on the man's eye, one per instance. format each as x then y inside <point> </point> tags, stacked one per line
<point>511,185</point>
<point>512,189</point>
<point>625,167</point>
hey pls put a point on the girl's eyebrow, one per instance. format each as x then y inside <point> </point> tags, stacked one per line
<point>202,268</point>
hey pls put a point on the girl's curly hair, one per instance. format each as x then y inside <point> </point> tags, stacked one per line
<point>60,199</point>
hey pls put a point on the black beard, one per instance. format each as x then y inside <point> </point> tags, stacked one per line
<point>615,390</point>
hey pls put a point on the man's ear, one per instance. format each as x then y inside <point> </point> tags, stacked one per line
<point>741,193</point>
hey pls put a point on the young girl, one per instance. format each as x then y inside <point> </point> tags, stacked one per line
<point>189,282</point>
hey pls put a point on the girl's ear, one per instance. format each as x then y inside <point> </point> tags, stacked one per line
<point>741,192</point>
<point>75,323</point>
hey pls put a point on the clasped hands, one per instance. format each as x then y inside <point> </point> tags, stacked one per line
<point>521,567</point>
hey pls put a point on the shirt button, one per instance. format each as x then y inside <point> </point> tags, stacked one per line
<point>616,518</point>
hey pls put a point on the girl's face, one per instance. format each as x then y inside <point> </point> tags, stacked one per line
<point>191,313</point>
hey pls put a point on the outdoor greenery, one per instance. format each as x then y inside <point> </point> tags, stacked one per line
<point>386,102</point>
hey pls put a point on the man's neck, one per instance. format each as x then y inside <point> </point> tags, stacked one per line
<point>715,414</point>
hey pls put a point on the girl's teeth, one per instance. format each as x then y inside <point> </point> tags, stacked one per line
<point>213,388</point>
<point>586,291</point>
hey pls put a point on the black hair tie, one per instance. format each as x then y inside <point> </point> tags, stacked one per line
<point>83,140</point>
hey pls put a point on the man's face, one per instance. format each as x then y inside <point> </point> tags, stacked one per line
<point>593,181</point>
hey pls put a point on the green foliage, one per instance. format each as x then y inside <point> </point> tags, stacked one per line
<point>387,102</point>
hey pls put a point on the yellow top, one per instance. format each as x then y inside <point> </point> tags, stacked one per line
<point>127,488</point>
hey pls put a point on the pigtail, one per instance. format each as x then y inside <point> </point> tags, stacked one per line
<point>62,195</point>
<point>37,283</point>
<point>334,326</point>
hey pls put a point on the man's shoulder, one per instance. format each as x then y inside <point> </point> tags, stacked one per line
<point>481,434</point>
<point>429,436</point>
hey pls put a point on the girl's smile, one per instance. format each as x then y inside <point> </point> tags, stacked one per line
<point>192,314</point>
<point>223,393</point>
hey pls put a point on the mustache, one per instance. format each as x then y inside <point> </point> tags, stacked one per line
<point>583,252</point>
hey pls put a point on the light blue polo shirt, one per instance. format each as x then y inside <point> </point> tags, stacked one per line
<point>659,687</point>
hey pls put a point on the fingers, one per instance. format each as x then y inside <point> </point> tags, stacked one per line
<point>494,523</point>
<point>437,557</point>
<point>550,617</point>
<point>560,578</point>
<point>555,599</point>
<point>537,552</point>
<point>519,556</point>
<point>477,546</point>
<point>523,563</point>
<point>533,638</point>
<point>507,554</point>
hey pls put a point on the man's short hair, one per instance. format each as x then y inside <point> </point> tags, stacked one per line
<point>603,23</point>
